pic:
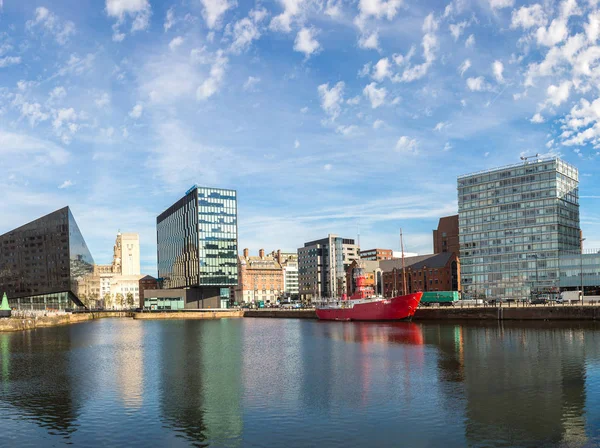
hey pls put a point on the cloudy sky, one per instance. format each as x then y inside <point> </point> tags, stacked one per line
<point>327,116</point>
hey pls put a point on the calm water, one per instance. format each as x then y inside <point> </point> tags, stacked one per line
<point>266,382</point>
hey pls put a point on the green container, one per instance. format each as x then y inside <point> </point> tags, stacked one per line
<point>440,297</point>
<point>261,304</point>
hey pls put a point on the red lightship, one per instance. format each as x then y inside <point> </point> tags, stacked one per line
<point>364,305</point>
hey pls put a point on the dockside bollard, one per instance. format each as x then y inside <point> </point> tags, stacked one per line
<point>5,310</point>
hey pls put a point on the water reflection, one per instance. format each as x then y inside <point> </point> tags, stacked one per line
<point>250,382</point>
<point>200,385</point>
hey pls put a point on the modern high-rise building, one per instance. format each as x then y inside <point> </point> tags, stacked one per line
<point>322,266</point>
<point>513,223</point>
<point>43,262</point>
<point>197,246</point>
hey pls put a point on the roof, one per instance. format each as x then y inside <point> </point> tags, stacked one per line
<point>259,263</point>
<point>430,261</point>
<point>147,277</point>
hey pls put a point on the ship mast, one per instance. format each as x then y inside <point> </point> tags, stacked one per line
<point>403,270</point>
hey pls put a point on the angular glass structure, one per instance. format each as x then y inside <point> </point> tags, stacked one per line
<point>197,244</point>
<point>514,222</point>
<point>42,263</point>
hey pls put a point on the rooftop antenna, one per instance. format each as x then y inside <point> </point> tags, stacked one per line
<point>525,158</point>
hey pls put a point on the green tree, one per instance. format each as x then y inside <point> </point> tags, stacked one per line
<point>107,301</point>
<point>130,300</point>
<point>120,299</point>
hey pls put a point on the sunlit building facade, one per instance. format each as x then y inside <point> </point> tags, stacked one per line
<point>43,262</point>
<point>513,223</point>
<point>197,246</point>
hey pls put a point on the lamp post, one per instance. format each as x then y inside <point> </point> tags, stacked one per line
<point>581,240</point>
<point>395,288</point>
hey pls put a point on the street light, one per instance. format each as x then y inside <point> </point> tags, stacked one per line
<point>581,240</point>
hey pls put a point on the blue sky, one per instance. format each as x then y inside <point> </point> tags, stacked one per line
<point>325,115</point>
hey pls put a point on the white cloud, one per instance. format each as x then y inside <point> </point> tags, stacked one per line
<point>25,145</point>
<point>447,146</point>
<point>406,144</point>
<point>379,8</point>
<point>246,30</point>
<point>291,9</point>
<point>558,94</point>
<point>382,70</point>
<point>353,101</point>
<point>9,60</point>
<point>456,29</point>
<point>376,96</point>
<point>378,124</point>
<point>251,83</point>
<point>169,19</point>
<point>58,93</point>
<point>369,41</point>
<point>430,46</point>
<point>537,118</point>
<point>346,130</point>
<point>528,16</point>
<point>499,4</point>
<point>137,110</point>
<point>592,27</point>
<point>440,126</point>
<point>333,8</point>
<point>305,42</point>
<point>66,184</point>
<point>582,124</point>
<point>103,100</point>
<point>470,42</point>
<point>304,110</point>
<point>139,11</point>
<point>331,99</point>
<point>296,144</point>
<point>175,43</point>
<point>498,68</point>
<point>214,11</point>
<point>464,67</point>
<point>554,34</point>
<point>327,167</point>
<point>212,84</point>
<point>33,112</point>
<point>477,84</point>
<point>62,30</point>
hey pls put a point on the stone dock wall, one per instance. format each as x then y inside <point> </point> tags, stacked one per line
<point>30,323</point>
<point>567,312</point>
<point>206,314</point>
<point>282,314</point>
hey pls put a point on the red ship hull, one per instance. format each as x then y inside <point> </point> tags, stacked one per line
<point>397,308</point>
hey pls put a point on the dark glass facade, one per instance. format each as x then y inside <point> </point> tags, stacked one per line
<point>197,240</point>
<point>42,262</point>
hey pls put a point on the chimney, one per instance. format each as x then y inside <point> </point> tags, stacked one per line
<point>261,253</point>
<point>279,256</point>
<point>245,253</point>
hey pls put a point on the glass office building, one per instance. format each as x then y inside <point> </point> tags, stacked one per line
<point>514,222</point>
<point>197,244</point>
<point>43,262</point>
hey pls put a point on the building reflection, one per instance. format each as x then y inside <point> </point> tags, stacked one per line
<point>520,383</point>
<point>200,368</point>
<point>37,380</point>
<point>129,364</point>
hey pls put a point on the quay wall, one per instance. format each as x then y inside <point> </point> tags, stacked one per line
<point>569,312</point>
<point>189,315</point>
<point>30,323</point>
<point>282,314</point>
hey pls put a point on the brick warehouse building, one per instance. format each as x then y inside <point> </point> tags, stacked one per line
<point>445,237</point>
<point>436,272</point>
